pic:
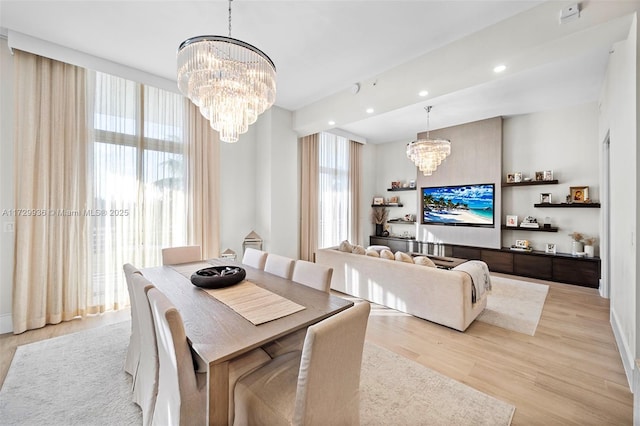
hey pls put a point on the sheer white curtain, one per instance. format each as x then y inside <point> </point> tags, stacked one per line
<point>334,194</point>
<point>138,176</point>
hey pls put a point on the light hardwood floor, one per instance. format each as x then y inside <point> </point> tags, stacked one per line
<point>570,372</point>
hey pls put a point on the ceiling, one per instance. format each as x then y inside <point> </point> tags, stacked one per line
<point>321,48</point>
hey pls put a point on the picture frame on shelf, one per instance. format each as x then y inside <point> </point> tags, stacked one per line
<point>517,177</point>
<point>550,248</point>
<point>395,185</point>
<point>522,244</point>
<point>378,201</point>
<point>539,176</point>
<point>511,177</point>
<point>393,200</point>
<point>579,194</point>
<point>512,221</point>
<point>545,198</point>
<point>548,175</point>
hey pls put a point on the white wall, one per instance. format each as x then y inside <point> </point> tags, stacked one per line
<point>6,185</point>
<point>279,215</point>
<point>393,165</point>
<point>260,186</point>
<point>238,191</point>
<point>566,142</point>
<point>619,117</point>
<point>367,191</point>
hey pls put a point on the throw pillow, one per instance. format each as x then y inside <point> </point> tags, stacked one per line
<point>424,261</point>
<point>378,248</point>
<point>372,253</point>
<point>386,254</point>
<point>358,249</point>
<point>403,257</point>
<point>346,246</point>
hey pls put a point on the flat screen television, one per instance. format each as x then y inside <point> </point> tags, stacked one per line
<point>459,205</point>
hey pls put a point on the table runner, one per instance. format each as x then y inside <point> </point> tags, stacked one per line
<point>187,269</point>
<point>254,303</point>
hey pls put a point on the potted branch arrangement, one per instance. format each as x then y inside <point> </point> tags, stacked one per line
<point>577,245</point>
<point>588,246</point>
<point>379,216</point>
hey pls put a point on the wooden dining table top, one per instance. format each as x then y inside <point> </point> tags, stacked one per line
<point>217,333</point>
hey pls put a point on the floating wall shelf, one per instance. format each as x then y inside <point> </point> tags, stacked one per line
<point>531,182</point>
<point>570,205</point>
<point>524,228</point>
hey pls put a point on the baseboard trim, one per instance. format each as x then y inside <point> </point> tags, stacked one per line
<point>625,353</point>
<point>6,324</point>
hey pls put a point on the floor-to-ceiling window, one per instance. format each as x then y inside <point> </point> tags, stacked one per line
<point>333,203</point>
<point>138,178</point>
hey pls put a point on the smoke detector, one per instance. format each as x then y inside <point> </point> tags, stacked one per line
<point>570,13</point>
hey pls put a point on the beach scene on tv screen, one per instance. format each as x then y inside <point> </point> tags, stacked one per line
<point>458,205</point>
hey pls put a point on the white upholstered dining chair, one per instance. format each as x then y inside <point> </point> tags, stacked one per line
<point>183,254</point>
<point>312,275</point>
<point>321,386</point>
<point>133,351</point>
<point>145,384</point>
<point>182,391</point>
<point>254,258</point>
<point>279,265</point>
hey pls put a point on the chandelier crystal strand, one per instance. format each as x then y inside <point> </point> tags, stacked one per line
<point>428,154</point>
<point>232,82</point>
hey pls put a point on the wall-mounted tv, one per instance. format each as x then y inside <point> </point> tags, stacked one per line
<point>459,205</point>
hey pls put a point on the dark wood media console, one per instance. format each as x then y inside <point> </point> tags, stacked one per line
<point>564,268</point>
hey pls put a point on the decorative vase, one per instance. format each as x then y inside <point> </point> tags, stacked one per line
<point>588,250</point>
<point>379,229</point>
<point>576,247</point>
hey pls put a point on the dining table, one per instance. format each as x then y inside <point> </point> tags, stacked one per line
<point>218,334</point>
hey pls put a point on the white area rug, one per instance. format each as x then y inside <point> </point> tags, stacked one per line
<point>400,392</point>
<point>79,379</point>
<point>515,305</point>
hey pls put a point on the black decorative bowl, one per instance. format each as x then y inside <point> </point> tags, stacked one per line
<point>218,276</point>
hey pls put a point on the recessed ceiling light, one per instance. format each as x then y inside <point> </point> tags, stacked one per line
<point>369,110</point>
<point>423,93</point>
<point>332,123</point>
<point>499,68</point>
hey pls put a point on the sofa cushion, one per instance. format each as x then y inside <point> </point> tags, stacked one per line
<point>387,254</point>
<point>423,261</point>
<point>372,253</point>
<point>378,248</point>
<point>403,257</point>
<point>346,246</point>
<point>358,249</point>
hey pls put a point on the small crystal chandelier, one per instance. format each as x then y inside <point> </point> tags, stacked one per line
<point>428,153</point>
<point>232,82</point>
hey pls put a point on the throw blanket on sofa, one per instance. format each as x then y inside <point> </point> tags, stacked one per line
<point>479,273</point>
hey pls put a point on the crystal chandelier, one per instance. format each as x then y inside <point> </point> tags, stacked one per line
<point>232,82</point>
<point>428,153</point>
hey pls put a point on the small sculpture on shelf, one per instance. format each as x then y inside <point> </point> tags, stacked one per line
<point>529,222</point>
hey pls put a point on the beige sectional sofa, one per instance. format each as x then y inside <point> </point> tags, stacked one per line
<point>438,295</point>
